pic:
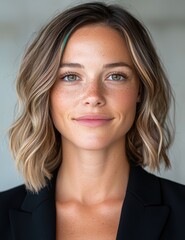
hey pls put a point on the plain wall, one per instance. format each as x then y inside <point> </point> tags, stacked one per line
<point>20,19</point>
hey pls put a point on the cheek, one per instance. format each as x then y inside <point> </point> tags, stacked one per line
<point>63,97</point>
<point>58,101</point>
<point>126,101</point>
<point>57,105</point>
<point>127,111</point>
<point>61,104</point>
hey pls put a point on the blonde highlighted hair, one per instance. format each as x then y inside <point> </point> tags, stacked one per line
<point>35,142</point>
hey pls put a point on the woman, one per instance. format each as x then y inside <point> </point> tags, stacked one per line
<point>94,101</point>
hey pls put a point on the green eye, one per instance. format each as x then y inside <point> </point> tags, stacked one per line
<point>116,77</point>
<point>70,78</point>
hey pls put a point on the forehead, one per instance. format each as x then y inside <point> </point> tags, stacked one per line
<point>96,40</point>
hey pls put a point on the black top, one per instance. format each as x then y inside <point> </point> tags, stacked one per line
<point>154,208</point>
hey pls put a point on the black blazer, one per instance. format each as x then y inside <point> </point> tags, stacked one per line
<point>153,209</point>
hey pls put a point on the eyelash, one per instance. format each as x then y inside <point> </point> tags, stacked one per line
<point>114,73</point>
<point>119,74</point>
<point>68,74</point>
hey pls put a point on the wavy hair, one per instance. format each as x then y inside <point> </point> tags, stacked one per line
<point>35,142</point>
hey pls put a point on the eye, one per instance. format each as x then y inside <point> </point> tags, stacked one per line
<point>117,77</point>
<point>70,77</point>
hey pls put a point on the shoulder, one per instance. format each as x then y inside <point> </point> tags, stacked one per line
<point>172,191</point>
<point>150,186</point>
<point>173,196</point>
<point>155,192</point>
<point>12,198</point>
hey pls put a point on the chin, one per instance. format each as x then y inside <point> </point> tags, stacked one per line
<point>96,143</point>
<point>92,145</point>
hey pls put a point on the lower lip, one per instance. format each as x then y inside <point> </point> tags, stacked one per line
<point>93,122</point>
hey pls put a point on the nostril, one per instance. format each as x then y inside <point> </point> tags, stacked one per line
<point>94,102</point>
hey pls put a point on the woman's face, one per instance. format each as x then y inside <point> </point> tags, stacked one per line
<point>93,101</point>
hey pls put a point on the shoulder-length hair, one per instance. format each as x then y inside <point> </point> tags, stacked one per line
<point>35,142</point>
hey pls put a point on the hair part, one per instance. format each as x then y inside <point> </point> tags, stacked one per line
<point>34,140</point>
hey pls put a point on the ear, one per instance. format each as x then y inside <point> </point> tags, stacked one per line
<point>139,94</point>
<point>138,98</point>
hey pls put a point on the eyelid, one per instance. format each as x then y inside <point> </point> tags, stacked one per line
<point>68,73</point>
<point>65,74</point>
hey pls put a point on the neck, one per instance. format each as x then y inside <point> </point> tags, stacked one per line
<point>90,176</point>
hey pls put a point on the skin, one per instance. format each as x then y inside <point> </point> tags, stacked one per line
<point>93,176</point>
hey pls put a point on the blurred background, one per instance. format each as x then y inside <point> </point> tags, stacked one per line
<point>21,19</point>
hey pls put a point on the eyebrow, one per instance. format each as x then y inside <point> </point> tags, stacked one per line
<point>109,65</point>
<point>77,65</point>
<point>117,64</point>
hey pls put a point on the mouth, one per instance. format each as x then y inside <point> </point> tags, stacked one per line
<point>93,120</point>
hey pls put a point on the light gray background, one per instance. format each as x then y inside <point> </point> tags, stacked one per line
<point>20,19</point>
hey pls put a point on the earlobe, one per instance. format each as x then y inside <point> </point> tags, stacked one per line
<point>139,96</point>
<point>139,93</point>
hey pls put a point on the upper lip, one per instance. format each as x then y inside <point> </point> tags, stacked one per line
<point>93,117</point>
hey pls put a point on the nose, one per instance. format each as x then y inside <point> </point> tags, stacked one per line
<point>94,95</point>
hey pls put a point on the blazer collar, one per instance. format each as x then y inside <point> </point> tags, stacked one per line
<point>142,215</point>
<point>36,217</point>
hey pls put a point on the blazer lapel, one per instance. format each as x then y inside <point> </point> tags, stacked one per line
<point>36,218</point>
<point>143,216</point>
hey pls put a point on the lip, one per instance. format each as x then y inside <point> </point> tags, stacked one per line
<point>93,120</point>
